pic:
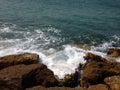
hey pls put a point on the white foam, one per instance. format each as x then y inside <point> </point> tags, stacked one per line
<point>64,61</point>
<point>118,59</point>
<point>61,62</point>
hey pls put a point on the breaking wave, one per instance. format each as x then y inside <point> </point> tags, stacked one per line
<point>49,44</point>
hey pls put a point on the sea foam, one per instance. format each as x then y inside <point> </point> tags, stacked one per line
<point>62,61</point>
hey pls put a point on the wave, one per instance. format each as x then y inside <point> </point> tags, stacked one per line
<point>45,42</point>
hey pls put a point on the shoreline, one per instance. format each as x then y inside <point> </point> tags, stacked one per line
<point>92,74</point>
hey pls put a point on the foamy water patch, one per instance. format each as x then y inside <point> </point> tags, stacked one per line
<point>64,61</point>
<point>118,59</point>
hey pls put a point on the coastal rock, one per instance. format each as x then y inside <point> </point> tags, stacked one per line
<point>25,58</point>
<point>98,87</point>
<point>92,57</point>
<point>19,77</point>
<point>113,52</point>
<point>70,80</point>
<point>54,88</point>
<point>113,82</point>
<point>95,72</point>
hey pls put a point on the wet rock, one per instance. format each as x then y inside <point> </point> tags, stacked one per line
<point>70,80</point>
<point>113,82</point>
<point>95,72</point>
<point>83,46</point>
<point>25,58</point>
<point>55,88</point>
<point>92,57</point>
<point>98,87</point>
<point>113,52</point>
<point>19,77</point>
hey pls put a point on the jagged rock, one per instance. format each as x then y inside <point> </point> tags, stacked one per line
<point>70,80</point>
<point>92,57</point>
<point>95,72</point>
<point>113,52</point>
<point>19,77</point>
<point>113,82</point>
<point>98,87</point>
<point>25,58</point>
<point>55,88</point>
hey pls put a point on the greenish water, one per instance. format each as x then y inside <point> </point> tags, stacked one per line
<point>53,29</point>
<point>77,21</point>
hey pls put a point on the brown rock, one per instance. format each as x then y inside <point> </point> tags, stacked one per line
<point>95,72</point>
<point>113,82</point>
<point>113,52</point>
<point>19,77</point>
<point>26,58</point>
<point>92,57</point>
<point>70,80</point>
<point>98,87</point>
<point>55,88</point>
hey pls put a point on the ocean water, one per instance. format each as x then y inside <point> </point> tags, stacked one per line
<point>53,28</point>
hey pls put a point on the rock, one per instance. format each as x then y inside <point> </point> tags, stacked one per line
<point>26,58</point>
<point>113,82</point>
<point>98,87</point>
<point>54,88</point>
<point>19,77</point>
<point>113,52</point>
<point>83,46</point>
<point>95,72</point>
<point>70,80</point>
<point>92,57</point>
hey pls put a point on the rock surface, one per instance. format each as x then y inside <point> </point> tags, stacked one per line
<point>113,82</point>
<point>92,57</point>
<point>25,58</point>
<point>70,80</point>
<point>113,52</point>
<point>55,88</point>
<point>98,87</point>
<point>19,77</point>
<point>94,72</point>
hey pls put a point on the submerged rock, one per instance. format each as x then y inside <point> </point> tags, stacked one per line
<point>94,72</point>
<point>83,46</point>
<point>113,52</point>
<point>19,77</point>
<point>25,58</point>
<point>113,82</point>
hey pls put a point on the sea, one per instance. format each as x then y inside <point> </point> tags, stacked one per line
<point>55,29</point>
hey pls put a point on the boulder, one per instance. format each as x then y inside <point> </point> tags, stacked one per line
<point>95,72</point>
<point>92,57</point>
<point>113,82</point>
<point>19,77</point>
<point>70,80</point>
<point>98,87</point>
<point>113,52</point>
<point>54,88</point>
<point>25,58</point>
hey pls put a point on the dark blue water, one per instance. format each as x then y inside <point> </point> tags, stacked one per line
<point>61,21</point>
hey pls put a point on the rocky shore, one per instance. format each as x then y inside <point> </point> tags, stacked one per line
<point>24,72</point>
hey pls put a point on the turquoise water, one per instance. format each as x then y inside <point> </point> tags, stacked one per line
<point>54,28</point>
<point>73,21</point>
